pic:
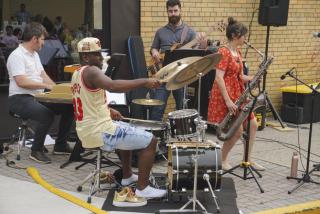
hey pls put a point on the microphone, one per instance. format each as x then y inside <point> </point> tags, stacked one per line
<point>316,34</point>
<point>283,76</point>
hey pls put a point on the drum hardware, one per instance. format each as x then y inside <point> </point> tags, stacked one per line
<point>206,177</point>
<point>201,127</point>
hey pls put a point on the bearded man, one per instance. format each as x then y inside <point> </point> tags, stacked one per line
<point>176,31</point>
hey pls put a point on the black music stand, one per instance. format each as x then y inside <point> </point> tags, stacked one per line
<point>306,176</point>
<point>206,81</point>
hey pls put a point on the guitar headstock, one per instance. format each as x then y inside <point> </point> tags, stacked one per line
<point>219,26</point>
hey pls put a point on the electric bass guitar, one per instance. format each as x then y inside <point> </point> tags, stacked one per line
<point>156,66</point>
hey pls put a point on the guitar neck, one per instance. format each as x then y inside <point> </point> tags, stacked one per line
<point>189,44</point>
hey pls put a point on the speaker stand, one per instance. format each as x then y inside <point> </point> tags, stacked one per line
<point>275,114</point>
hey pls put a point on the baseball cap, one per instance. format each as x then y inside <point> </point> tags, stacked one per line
<point>90,44</point>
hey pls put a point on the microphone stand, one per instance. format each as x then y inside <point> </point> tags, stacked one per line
<point>306,175</point>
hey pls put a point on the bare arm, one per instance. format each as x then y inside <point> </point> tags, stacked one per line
<point>94,78</point>
<point>47,79</point>
<point>222,86</point>
<point>24,82</point>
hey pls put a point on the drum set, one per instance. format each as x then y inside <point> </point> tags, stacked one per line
<point>189,155</point>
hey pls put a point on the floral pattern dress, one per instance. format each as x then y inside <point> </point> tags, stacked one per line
<point>232,66</point>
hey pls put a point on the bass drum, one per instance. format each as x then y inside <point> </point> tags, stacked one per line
<point>181,166</point>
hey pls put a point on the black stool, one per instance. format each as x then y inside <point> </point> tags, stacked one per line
<point>21,132</point>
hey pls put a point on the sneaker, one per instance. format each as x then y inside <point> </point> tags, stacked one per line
<point>63,149</point>
<point>40,157</point>
<point>226,166</point>
<point>150,192</point>
<point>127,198</point>
<point>257,167</point>
<point>128,181</point>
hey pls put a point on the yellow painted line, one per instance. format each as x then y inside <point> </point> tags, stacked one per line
<point>312,207</point>
<point>33,172</point>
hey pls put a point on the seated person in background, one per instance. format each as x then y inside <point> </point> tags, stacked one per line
<point>27,78</point>
<point>9,39</point>
<point>94,123</point>
<point>17,32</point>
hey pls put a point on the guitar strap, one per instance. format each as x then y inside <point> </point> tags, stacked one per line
<point>184,34</point>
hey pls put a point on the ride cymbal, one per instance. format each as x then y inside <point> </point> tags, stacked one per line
<point>191,72</point>
<point>165,73</point>
<point>148,102</point>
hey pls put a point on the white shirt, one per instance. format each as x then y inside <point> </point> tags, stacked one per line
<point>23,62</point>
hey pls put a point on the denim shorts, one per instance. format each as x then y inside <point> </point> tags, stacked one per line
<point>126,137</point>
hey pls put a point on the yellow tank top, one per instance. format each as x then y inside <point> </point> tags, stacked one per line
<point>91,112</point>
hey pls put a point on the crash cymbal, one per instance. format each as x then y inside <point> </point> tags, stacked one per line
<point>148,102</point>
<point>165,73</point>
<point>191,73</point>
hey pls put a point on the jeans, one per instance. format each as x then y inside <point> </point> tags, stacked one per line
<point>162,93</point>
<point>43,114</point>
<point>127,137</point>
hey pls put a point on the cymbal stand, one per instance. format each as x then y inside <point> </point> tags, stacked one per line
<point>201,126</point>
<point>185,100</point>
<point>199,90</point>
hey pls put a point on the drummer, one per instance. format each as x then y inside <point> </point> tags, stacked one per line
<point>94,123</point>
<point>27,78</point>
<point>176,31</point>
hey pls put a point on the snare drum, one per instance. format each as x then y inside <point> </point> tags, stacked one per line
<point>157,128</point>
<point>182,123</point>
<point>181,166</point>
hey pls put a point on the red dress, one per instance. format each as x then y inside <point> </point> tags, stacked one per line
<point>232,66</point>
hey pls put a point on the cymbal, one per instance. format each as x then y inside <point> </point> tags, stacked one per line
<point>191,73</point>
<point>148,102</point>
<point>165,73</point>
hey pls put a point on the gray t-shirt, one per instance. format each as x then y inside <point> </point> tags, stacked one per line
<point>168,35</point>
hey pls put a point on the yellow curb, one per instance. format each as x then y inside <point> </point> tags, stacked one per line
<point>312,207</point>
<point>33,172</point>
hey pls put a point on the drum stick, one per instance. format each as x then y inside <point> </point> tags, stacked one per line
<point>139,120</point>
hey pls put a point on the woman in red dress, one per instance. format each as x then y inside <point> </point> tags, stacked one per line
<point>228,87</point>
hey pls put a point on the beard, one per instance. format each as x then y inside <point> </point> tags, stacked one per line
<point>174,19</point>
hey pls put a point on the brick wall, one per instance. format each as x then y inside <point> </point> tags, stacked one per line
<point>291,45</point>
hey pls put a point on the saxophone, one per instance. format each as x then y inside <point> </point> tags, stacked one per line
<point>231,123</point>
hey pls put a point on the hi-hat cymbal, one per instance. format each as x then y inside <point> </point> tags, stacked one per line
<point>191,73</point>
<point>148,102</point>
<point>165,73</point>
